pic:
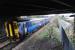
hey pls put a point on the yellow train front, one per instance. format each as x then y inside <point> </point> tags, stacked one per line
<point>12,30</point>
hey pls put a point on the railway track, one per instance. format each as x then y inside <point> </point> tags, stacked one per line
<point>3,38</point>
<point>9,46</point>
<point>2,48</point>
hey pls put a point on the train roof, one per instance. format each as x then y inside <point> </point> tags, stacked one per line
<point>37,19</point>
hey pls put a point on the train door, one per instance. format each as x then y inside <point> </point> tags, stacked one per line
<point>24,28</point>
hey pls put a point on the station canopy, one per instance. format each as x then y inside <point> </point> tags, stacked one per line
<point>35,7</point>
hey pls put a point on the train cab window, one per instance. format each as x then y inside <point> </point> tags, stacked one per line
<point>15,25</point>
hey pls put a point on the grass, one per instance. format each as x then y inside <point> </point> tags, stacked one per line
<point>51,33</point>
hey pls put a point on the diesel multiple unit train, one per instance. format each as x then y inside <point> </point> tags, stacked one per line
<point>23,28</point>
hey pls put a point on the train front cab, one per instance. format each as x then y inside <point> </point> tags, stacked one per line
<point>12,30</point>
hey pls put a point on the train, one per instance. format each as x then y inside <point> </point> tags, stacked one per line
<point>24,28</point>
